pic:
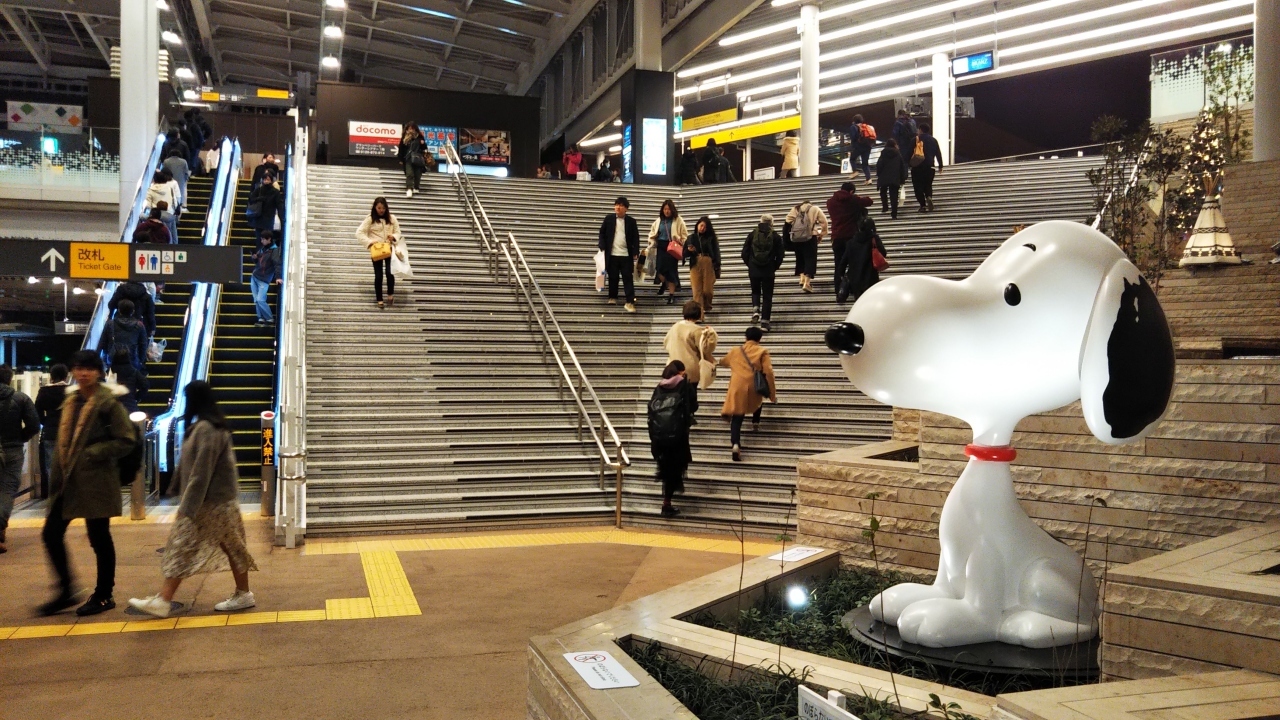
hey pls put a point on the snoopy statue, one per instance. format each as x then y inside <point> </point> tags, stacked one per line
<point>1057,313</point>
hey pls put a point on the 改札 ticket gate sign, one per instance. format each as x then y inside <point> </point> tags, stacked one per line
<point>121,261</point>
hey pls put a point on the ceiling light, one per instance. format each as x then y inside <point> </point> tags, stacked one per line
<point>740,78</point>
<point>1125,27</point>
<point>776,100</point>
<point>330,61</point>
<point>758,32</point>
<point>186,73</point>
<point>58,281</point>
<point>677,109</point>
<point>336,4</point>
<point>33,280</point>
<point>748,57</point>
<point>615,148</point>
<point>78,291</point>
<point>171,37</point>
<point>617,123</point>
<point>332,31</point>
<point>190,95</point>
<point>887,92</point>
<point>602,140</point>
<point>99,291</point>
<point>162,5</point>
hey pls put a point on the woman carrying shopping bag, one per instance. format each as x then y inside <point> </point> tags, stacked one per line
<point>666,240</point>
<point>208,534</point>
<point>380,233</point>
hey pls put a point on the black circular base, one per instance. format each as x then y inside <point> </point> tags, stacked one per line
<point>1078,661</point>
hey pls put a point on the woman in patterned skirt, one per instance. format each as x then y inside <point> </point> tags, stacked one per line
<point>208,534</point>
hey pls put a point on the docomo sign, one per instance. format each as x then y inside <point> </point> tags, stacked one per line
<point>382,133</point>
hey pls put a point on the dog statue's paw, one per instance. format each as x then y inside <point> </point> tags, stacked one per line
<point>1037,630</point>
<point>888,605</point>
<point>944,622</point>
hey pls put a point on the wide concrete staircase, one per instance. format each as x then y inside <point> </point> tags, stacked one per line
<point>1233,310</point>
<point>438,412</point>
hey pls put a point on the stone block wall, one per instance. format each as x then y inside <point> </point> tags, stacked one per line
<point>1211,467</point>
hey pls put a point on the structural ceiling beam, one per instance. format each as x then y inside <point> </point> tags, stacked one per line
<point>38,51</point>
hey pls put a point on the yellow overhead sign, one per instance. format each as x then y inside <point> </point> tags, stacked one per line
<point>274,94</point>
<point>100,261</point>
<point>742,132</point>
<point>708,120</point>
<point>209,96</point>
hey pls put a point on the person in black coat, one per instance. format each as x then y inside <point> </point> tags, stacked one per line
<point>412,155</point>
<point>268,165</point>
<point>671,409</point>
<point>144,308</point>
<point>860,270</point>
<point>891,174</point>
<point>130,378</point>
<point>688,172</point>
<point>49,409</point>
<point>127,332</point>
<point>620,253</point>
<point>269,203</point>
<point>922,175</point>
<point>762,253</point>
<point>172,141</point>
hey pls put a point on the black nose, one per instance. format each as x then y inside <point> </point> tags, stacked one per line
<point>845,338</point>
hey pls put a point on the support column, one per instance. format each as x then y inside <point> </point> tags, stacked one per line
<point>1266,74</point>
<point>808,90</point>
<point>647,15</point>
<point>746,162</point>
<point>139,94</point>
<point>944,106</point>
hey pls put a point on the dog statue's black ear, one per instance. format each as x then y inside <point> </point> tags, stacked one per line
<point>1126,362</point>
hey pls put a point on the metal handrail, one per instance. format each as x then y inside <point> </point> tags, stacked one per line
<point>540,312</point>
<point>1045,154</point>
<point>291,380</point>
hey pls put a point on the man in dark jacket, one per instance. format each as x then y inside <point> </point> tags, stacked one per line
<point>891,175</point>
<point>18,424</point>
<point>126,331</point>
<point>845,208</point>
<point>860,153</point>
<point>267,200</point>
<point>96,433</point>
<point>266,270</point>
<point>172,141</point>
<point>922,175</point>
<point>620,241</point>
<point>144,308</point>
<point>49,409</point>
<point>152,229</point>
<point>762,253</point>
<point>268,165</point>
<point>688,172</point>
<point>904,131</point>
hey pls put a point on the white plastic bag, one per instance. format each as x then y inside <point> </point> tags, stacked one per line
<point>155,350</point>
<point>400,267</point>
<point>600,273</point>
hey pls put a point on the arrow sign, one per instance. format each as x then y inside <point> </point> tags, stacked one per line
<point>53,256</point>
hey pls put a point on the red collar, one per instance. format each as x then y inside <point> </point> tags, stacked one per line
<point>991,453</point>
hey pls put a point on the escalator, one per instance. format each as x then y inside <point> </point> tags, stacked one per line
<point>171,310</point>
<point>242,368</point>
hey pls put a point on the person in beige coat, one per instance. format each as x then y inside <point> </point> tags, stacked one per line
<point>790,155</point>
<point>805,227</point>
<point>741,399</point>
<point>381,226</point>
<point>668,228</point>
<point>692,344</point>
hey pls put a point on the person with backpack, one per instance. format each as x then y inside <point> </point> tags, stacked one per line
<point>668,228</point>
<point>266,270</point>
<point>702,250</point>
<point>762,253</point>
<point>804,227</point>
<point>711,163</point>
<point>620,242</point>
<point>790,150</point>
<point>49,409</point>
<point>860,271</point>
<point>208,533</point>
<point>927,152</point>
<point>144,308</point>
<point>671,409</point>
<point>19,422</point>
<point>412,154</point>
<point>864,137</point>
<point>266,205</point>
<point>94,436</point>
<point>751,380</point>
<point>381,232</point>
<point>904,131</point>
<point>891,174</point>
<point>128,333</point>
<point>688,172</point>
<point>847,209</point>
<point>133,380</point>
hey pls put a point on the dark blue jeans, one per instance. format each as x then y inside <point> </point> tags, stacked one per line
<point>860,157</point>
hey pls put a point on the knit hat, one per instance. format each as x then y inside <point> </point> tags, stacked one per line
<point>767,219</point>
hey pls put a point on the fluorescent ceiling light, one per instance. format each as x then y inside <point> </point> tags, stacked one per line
<point>185,73</point>
<point>775,100</point>
<point>58,281</point>
<point>78,291</point>
<point>618,123</point>
<point>727,78</point>
<point>1121,46</point>
<point>678,109</point>
<point>887,92</point>
<point>190,95</point>
<point>1125,27</point>
<point>330,61</point>
<point>332,31</point>
<point>171,37</point>
<point>615,148</point>
<point>33,280</point>
<point>336,4</point>
<point>875,80</point>
<point>737,123</point>
<point>728,40</point>
<point>748,57</point>
<point>601,140</point>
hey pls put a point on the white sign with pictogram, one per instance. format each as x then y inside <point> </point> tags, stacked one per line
<point>815,707</point>
<point>146,262</point>
<point>601,670</point>
<point>796,553</point>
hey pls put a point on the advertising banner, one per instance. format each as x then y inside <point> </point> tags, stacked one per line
<point>437,137</point>
<point>654,145</point>
<point>33,116</point>
<point>370,139</point>
<point>484,147</point>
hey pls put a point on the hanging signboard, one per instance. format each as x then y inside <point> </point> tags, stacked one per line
<point>742,132</point>
<point>973,64</point>
<point>35,116</point>
<point>484,147</point>
<point>712,111</point>
<point>437,137</point>
<point>370,139</point>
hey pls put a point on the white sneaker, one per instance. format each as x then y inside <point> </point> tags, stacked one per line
<point>238,601</point>
<point>408,193</point>
<point>154,605</point>
<point>630,307</point>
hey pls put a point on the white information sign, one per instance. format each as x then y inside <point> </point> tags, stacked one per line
<point>600,670</point>
<point>796,553</point>
<point>764,173</point>
<point>815,707</point>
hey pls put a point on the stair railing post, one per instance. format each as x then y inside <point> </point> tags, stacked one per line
<point>617,510</point>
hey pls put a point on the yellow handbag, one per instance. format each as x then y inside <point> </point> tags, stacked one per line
<point>380,250</point>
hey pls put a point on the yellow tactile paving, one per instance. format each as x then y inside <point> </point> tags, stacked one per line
<point>252,618</point>
<point>201,621</point>
<point>152,518</point>
<point>40,631</point>
<point>348,609</point>
<point>301,615</point>
<point>96,628</point>
<point>149,625</point>
<point>752,548</point>
<point>389,591</point>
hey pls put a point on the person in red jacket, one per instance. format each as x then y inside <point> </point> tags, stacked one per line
<point>846,209</point>
<point>152,229</point>
<point>572,161</point>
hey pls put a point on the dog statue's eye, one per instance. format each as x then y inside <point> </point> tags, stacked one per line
<point>1012,294</point>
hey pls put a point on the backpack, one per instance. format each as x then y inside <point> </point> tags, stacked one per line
<point>917,155</point>
<point>802,228</point>
<point>866,132</point>
<point>761,248</point>
<point>666,415</point>
<point>131,463</point>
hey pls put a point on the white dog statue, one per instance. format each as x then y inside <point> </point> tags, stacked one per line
<point>1056,313</point>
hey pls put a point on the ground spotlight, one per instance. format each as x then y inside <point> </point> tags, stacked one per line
<point>797,597</point>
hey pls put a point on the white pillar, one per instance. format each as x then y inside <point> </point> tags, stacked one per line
<point>944,107</point>
<point>746,162</point>
<point>139,94</point>
<point>1266,73</point>
<point>648,34</point>
<point>809,89</point>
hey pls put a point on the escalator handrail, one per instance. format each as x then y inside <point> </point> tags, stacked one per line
<point>291,346</point>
